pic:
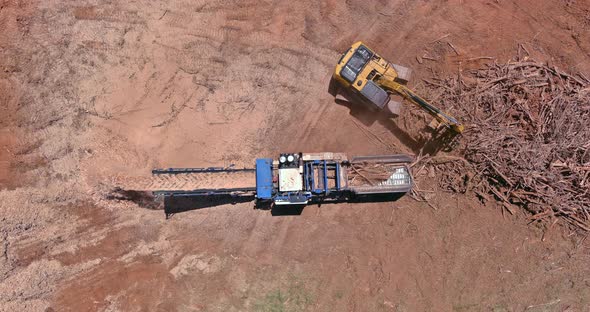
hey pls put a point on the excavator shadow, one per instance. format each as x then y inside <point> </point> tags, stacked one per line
<point>179,204</point>
<point>440,140</point>
<point>368,117</point>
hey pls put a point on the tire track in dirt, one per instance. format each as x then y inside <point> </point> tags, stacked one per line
<point>310,121</point>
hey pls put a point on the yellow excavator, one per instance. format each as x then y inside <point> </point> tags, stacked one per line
<point>365,76</point>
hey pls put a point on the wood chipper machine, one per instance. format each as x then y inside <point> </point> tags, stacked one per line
<point>292,179</point>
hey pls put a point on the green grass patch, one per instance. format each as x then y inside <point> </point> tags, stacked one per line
<point>294,297</point>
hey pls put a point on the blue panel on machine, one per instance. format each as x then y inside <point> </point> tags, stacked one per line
<point>264,178</point>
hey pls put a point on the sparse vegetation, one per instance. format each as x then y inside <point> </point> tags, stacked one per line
<point>294,297</point>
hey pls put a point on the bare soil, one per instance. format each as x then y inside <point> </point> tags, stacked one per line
<point>94,91</point>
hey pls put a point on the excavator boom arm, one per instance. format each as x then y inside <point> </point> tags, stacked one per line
<point>442,117</point>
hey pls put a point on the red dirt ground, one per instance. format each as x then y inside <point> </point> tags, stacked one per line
<point>94,91</point>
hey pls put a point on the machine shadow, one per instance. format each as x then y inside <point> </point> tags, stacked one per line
<point>439,141</point>
<point>179,204</point>
<point>367,198</point>
<point>368,117</point>
<point>377,198</point>
<point>295,210</point>
<point>291,210</point>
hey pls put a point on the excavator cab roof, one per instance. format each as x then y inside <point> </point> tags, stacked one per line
<point>356,63</point>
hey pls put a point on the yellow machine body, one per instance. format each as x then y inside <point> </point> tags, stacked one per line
<point>372,79</point>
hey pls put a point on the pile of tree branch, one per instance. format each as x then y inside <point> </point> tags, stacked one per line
<point>527,138</point>
<point>368,174</point>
